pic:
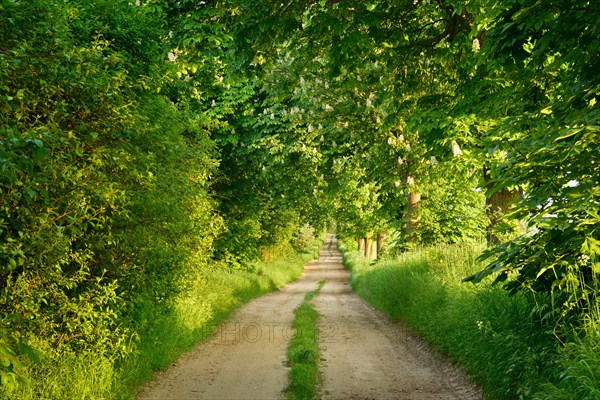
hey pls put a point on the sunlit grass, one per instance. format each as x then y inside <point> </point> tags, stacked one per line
<point>303,350</point>
<point>69,377</point>
<point>494,336</point>
<point>168,330</point>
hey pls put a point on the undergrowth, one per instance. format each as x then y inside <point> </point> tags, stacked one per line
<point>495,337</point>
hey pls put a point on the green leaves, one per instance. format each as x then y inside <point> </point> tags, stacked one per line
<point>137,141</point>
<point>91,156</point>
<point>12,368</point>
<point>500,95</point>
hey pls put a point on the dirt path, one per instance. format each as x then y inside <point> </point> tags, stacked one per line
<point>364,356</point>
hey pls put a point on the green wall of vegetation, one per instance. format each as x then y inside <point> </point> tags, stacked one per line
<point>149,145</point>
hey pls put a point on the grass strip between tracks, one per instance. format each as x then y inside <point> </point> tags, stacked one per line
<point>303,350</point>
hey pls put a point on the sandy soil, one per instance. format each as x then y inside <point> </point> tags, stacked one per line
<point>364,355</point>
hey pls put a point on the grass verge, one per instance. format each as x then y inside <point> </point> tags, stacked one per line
<point>166,331</point>
<point>303,350</point>
<point>495,337</point>
<point>211,297</point>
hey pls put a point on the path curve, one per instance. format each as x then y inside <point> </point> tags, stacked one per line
<point>364,355</point>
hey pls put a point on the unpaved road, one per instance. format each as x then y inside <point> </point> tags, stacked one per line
<point>363,354</point>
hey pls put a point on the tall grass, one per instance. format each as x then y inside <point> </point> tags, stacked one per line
<point>211,296</point>
<point>495,337</point>
<point>579,365</point>
<point>71,376</point>
<point>166,332</point>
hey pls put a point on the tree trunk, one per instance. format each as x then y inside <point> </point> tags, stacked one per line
<point>412,217</point>
<point>381,235</point>
<point>370,248</point>
<point>361,245</point>
<point>498,204</point>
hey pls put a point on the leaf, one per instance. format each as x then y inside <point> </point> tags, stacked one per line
<point>570,133</point>
<point>7,379</point>
<point>29,352</point>
<point>39,154</point>
<point>541,272</point>
<point>590,246</point>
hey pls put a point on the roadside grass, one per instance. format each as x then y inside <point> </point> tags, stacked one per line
<point>166,331</point>
<point>579,365</point>
<point>72,376</point>
<point>496,338</point>
<point>303,350</point>
<point>211,297</point>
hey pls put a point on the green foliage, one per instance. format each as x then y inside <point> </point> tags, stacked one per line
<point>451,210</point>
<point>504,88</point>
<point>551,154</point>
<point>12,368</point>
<point>67,107</point>
<point>144,143</point>
<point>105,183</point>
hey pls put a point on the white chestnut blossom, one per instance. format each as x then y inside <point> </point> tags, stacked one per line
<point>456,151</point>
